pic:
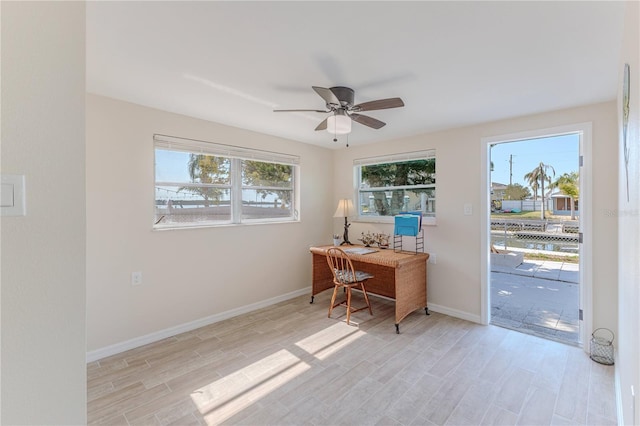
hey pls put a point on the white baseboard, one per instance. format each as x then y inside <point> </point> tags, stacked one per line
<point>454,313</point>
<point>182,328</point>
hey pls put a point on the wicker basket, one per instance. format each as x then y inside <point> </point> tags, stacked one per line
<point>602,346</point>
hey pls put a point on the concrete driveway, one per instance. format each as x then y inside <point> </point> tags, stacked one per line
<point>537,297</point>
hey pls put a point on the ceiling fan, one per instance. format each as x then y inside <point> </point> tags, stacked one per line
<point>339,102</point>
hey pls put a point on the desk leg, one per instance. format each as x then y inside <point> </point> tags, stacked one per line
<point>312,300</point>
<point>397,328</point>
<point>426,311</point>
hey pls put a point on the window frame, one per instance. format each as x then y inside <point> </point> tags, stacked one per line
<point>236,155</point>
<point>394,158</point>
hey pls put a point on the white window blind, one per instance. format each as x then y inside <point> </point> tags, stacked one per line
<point>394,158</point>
<point>202,147</point>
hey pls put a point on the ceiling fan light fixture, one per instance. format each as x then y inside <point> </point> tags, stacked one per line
<point>339,103</point>
<point>339,123</point>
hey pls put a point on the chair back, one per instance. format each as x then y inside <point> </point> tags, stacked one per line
<point>341,266</point>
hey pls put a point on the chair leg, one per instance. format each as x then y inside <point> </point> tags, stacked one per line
<point>333,300</point>
<point>366,298</point>
<point>348,304</point>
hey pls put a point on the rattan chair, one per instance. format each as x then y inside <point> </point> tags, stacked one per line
<point>346,277</point>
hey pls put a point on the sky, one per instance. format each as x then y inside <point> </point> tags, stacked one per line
<point>172,166</point>
<point>560,152</point>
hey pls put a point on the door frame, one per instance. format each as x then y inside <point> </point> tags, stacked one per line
<point>585,219</point>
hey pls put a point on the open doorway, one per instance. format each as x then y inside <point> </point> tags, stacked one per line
<point>534,277</point>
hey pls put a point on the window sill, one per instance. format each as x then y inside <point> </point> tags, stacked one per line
<point>221,225</point>
<point>426,221</point>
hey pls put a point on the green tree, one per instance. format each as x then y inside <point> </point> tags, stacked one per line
<point>541,174</point>
<point>416,172</point>
<point>568,184</point>
<point>207,169</point>
<point>270,176</point>
<point>516,192</point>
<point>532,180</point>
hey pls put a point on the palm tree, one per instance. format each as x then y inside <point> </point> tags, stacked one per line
<point>568,185</point>
<point>532,180</point>
<point>540,174</point>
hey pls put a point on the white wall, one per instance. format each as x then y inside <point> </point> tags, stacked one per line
<point>628,358</point>
<point>454,282</point>
<point>43,253</point>
<point>188,274</point>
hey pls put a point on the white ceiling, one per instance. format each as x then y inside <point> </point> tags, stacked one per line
<point>453,63</point>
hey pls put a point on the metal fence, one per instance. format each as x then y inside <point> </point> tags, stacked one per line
<point>557,236</point>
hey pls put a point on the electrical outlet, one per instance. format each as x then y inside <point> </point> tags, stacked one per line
<point>432,258</point>
<point>136,278</point>
<point>468,209</point>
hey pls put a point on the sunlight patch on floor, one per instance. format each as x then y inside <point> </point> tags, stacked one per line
<point>330,340</point>
<point>222,399</point>
<point>233,393</point>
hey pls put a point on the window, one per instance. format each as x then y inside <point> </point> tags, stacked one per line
<point>394,184</point>
<point>201,184</point>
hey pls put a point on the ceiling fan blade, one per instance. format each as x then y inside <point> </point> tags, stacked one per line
<point>379,104</point>
<point>326,94</point>
<point>367,121</point>
<point>300,110</point>
<point>323,125</point>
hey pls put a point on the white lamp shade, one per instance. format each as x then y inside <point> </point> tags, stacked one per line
<point>345,208</point>
<point>339,123</point>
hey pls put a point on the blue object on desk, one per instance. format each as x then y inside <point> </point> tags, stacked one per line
<point>407,224</point>
<point>415,213</point>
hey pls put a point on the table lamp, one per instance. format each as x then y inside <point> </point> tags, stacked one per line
<point>345,208</point>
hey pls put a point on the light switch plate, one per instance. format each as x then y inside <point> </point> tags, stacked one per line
<point>6,195</point>
<point>12,196</point>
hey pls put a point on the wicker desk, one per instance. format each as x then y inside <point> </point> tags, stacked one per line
<point>400,276</point>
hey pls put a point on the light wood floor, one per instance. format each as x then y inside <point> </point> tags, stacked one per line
<point>291,365</point>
